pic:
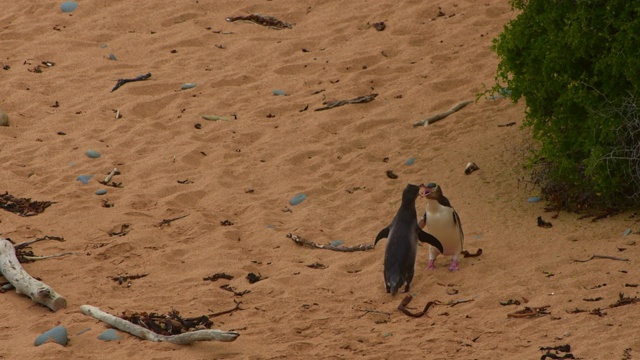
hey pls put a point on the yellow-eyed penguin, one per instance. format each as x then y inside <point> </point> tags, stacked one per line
<point>443,222</point>
<point>403,234</point>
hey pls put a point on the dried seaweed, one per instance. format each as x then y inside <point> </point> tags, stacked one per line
<point>170,323</point>
<point>22,206</point>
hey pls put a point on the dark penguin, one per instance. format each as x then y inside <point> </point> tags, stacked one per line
<point>443,222</point>
<point>403,234</point>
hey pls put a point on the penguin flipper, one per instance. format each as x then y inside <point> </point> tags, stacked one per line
<point>430,239</point>
<point>381,235</point>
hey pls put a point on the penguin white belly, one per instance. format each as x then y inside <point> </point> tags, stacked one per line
<point>440,223</point>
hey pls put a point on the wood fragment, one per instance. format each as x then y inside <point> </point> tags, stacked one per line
<point>359,100</point>
<point>124,81</point>
<point>217,276</point>
<point>121,279</point>
<point>432,119</point>
<point>303,242</point>
<point>602,257</point>
<point>530,312</point>
<point>24,283</point>
<point>264,20</point>
<point>169,221</point>
<point>146,334</point>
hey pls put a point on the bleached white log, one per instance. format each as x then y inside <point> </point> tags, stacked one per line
<point>24,283</point>
<point>146,334</point>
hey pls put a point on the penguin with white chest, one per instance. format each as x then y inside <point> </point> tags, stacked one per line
<point>443,222</point>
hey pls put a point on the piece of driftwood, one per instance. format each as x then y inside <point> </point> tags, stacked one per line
<point>359,100</point>
<point>264,20</point>
<point>303,242</point>
<point>146,334</point>
<point>24,283</point>
<point>431,119</point>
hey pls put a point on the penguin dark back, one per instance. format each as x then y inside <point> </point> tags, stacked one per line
<point>403,234</point>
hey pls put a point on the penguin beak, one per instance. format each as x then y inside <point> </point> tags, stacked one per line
<point>424,190</point>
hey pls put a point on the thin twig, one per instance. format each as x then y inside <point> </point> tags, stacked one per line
<point>602,257</point>
<point>367,311</point>
<point>168,221</point>
<point>237,308</point>
<point>43,257</point>
<point>302,242</point>
<point>47,237</point>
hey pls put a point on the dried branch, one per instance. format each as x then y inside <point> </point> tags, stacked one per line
<point>431,119</point>
<point>302,242</point>
<point>24,283</point>
<point>146,334</point>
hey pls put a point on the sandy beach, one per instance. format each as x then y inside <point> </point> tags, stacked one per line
<point>196,197</point>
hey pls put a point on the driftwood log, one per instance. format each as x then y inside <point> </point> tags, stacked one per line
<point>431,119</point>
<point>24,283</point>
<point>146,334</point>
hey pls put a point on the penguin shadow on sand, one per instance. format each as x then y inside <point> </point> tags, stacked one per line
<point>403,235</point>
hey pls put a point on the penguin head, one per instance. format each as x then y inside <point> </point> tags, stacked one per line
<point>410,192</point>
<point>430,191</point>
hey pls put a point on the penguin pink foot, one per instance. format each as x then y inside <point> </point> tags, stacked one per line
<point>432,265</point>
<point>453,266</point>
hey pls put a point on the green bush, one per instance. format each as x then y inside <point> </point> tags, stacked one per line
<point>576,63</point>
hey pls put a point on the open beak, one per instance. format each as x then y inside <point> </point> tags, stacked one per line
<point>424,190</point>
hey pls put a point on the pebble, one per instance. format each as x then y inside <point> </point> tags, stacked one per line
<point>297,199</point>
<point>109,335</point>
<point>337,242</point>
<point>4,118</point>
<point>68,6</point>
<point>101,192</point>
<point>57,334</point>
<point>188,86</point>
<point>84,178</point>
<point>410,161</point>
<point>279,93</point>
<point>627,232</point>
<point>534,199</point>
<point>112,57</point>
<point>92,154</point>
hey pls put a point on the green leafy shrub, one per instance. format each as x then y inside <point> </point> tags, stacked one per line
<point>576,63</point>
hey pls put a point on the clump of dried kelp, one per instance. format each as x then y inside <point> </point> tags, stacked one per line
<point>22,206</point>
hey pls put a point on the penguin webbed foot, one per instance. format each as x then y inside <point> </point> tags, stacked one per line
<point>454,266</point>
<point>432,265</point>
